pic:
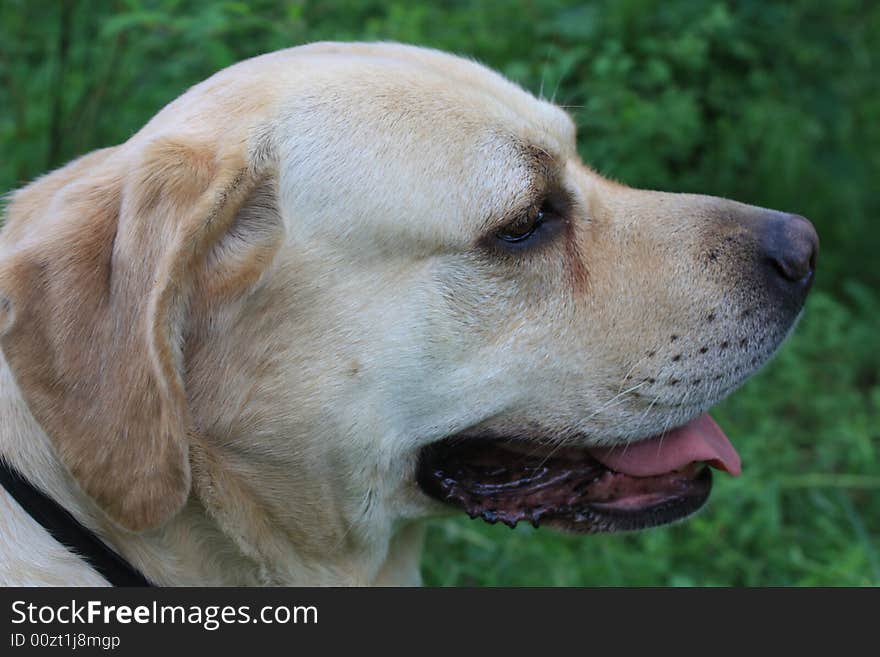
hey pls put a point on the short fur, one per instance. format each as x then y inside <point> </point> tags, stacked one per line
<point>225,340</point>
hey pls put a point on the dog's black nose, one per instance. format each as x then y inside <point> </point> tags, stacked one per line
<point>790,245</point>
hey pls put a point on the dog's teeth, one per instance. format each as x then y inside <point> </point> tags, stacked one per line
<point>490,516</point>
<point>536,518</point>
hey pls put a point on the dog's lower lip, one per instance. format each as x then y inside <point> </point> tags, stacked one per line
<point>499,481</point>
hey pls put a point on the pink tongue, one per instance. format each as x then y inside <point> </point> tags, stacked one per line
<point>701,440</point>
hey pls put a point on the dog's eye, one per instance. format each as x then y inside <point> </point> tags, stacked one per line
<point>534,228</point>
<point>523,228</point>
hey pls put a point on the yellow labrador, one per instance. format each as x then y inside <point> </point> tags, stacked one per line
<point>336,289</point>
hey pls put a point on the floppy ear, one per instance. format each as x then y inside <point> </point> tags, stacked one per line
<point>99,264</point>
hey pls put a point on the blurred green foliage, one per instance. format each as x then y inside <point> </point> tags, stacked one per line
<point>771,103</point>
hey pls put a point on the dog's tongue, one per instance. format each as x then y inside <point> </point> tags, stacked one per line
<point>701,440</point>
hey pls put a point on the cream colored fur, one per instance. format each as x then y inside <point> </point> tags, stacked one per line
<point>225,340</point>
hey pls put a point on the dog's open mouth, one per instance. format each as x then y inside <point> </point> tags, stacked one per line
<point>644,484</point>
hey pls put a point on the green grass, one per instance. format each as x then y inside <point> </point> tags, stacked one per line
<point>806,510</point>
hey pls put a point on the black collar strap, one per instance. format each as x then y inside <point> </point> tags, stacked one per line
<point>68,531</point>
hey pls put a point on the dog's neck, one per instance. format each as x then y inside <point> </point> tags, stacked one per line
<point>207,543</point>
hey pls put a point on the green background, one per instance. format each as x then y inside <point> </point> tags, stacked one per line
<point>775,104</point>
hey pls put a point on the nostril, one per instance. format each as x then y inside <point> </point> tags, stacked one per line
<point>792,269</point>
<point>792,245</point>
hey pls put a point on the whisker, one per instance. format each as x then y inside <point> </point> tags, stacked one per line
<point>683,402</point>
<point>630,371</point>
<point>610,402</point>
<point>603,407</point>
<point>544,73</point>
<point>558,82</point>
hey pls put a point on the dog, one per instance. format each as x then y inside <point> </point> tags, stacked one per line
<point>337,289</point>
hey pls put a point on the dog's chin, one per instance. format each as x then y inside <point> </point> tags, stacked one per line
<point>644,484</point>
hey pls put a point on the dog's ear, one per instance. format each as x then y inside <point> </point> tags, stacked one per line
<point>99,267</point>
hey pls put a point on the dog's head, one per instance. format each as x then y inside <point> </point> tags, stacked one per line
<point>352,284</point>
